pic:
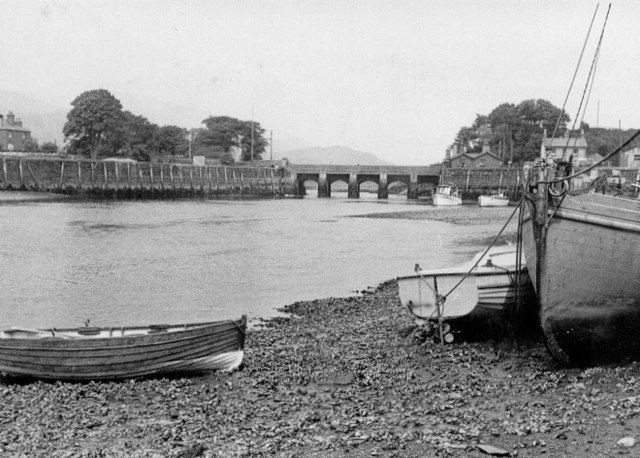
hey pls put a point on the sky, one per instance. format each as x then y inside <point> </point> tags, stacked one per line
<point>397,78</point>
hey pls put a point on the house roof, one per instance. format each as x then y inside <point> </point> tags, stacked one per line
<point>474,156</point>
<point>14,128</point>
<point>564,142</point>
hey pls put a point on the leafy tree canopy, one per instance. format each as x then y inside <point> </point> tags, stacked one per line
<point>98,126</point>
<point>224,132</point>
<point>94,116</point>
<point>513,132</point>
<point>49,147</point>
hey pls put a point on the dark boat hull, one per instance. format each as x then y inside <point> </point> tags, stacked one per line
<point>588,279</point>
<point>118,353</point>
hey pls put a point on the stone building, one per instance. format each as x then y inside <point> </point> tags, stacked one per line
<point>565,148</point>
<point>484,159</point>
<point>630,158</point>
<point>13,135</point>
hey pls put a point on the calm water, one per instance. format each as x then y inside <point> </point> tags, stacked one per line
<point>118,263</point>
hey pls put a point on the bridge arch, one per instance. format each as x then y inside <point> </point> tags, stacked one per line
<point>299,188</point>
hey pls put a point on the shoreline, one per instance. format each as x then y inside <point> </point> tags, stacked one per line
<point>337,377</point>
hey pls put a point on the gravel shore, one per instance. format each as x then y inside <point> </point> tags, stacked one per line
<point>338,378</point>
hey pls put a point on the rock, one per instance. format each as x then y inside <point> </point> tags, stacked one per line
<point>626,442</point>
<point>491,450</point>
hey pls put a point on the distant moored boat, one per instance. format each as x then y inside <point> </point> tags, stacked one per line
<point>446,194</point>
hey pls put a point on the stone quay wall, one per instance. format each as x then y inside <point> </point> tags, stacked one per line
<point>472,182</point>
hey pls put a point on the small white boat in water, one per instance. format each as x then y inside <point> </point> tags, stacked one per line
<point>446,194</point>
<point>490,285</point>
<point>498,199</point>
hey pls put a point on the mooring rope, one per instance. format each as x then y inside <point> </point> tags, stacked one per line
<point>495,239</point>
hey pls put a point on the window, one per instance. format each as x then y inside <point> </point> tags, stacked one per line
<point>10,135</point>
<point>482,164</point>
<point>24,136</point>
<point>636,157</point>
<point>463,164</point>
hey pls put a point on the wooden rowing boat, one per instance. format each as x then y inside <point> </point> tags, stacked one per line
<point>92,353</point>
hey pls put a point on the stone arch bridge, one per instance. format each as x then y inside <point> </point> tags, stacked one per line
<point>355,175</point>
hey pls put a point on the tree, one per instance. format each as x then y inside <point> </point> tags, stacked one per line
<point>134,135</point>
<point>519,128</point>
<point>95,115</point>
<point>49,147</point>
<point>30,145</point>
<point>172,141</point>
<point>225,132</point>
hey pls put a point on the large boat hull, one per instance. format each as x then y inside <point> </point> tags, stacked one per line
<point>123,352</point>
<point>587,278</point>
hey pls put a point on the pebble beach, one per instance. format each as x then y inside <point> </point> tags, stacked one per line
<point>339,377</point>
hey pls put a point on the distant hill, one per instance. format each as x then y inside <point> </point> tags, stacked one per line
<point>329,155</point>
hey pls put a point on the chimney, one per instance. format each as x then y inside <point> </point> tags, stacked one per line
<point>19,122</point>
<point>10,119</point>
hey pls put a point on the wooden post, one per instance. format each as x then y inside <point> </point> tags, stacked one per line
<point>93,175</point>
<point>140,176</point>
<point>266,182</point>
<point>33,176</point>
<point>79,164</point>
<point>173,184</point>
<point>161,176</point>
<point>273,183</point>
<point>61,173</point>
<point>151,174</point>
<point>191,177</point>
<point>226,180</point>
<point>209,179</point>
<point>4,173</point>
<point>218,179</point>
<point>129,174</point>
<point>21,174</point>
<point>106,176</point>
<point>468,173</point>
<point>117,174</point>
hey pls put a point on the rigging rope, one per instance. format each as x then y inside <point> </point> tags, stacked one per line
<point>495,239</point>
<point>591,74</point>
<point>555,129</point>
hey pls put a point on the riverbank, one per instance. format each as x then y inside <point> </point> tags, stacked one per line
<point>337,378</point>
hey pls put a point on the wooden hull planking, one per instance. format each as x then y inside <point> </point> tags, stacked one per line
<point>69,356</point>
<point>589,279</point>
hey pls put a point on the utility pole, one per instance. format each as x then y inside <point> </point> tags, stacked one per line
<point>251,162</point>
